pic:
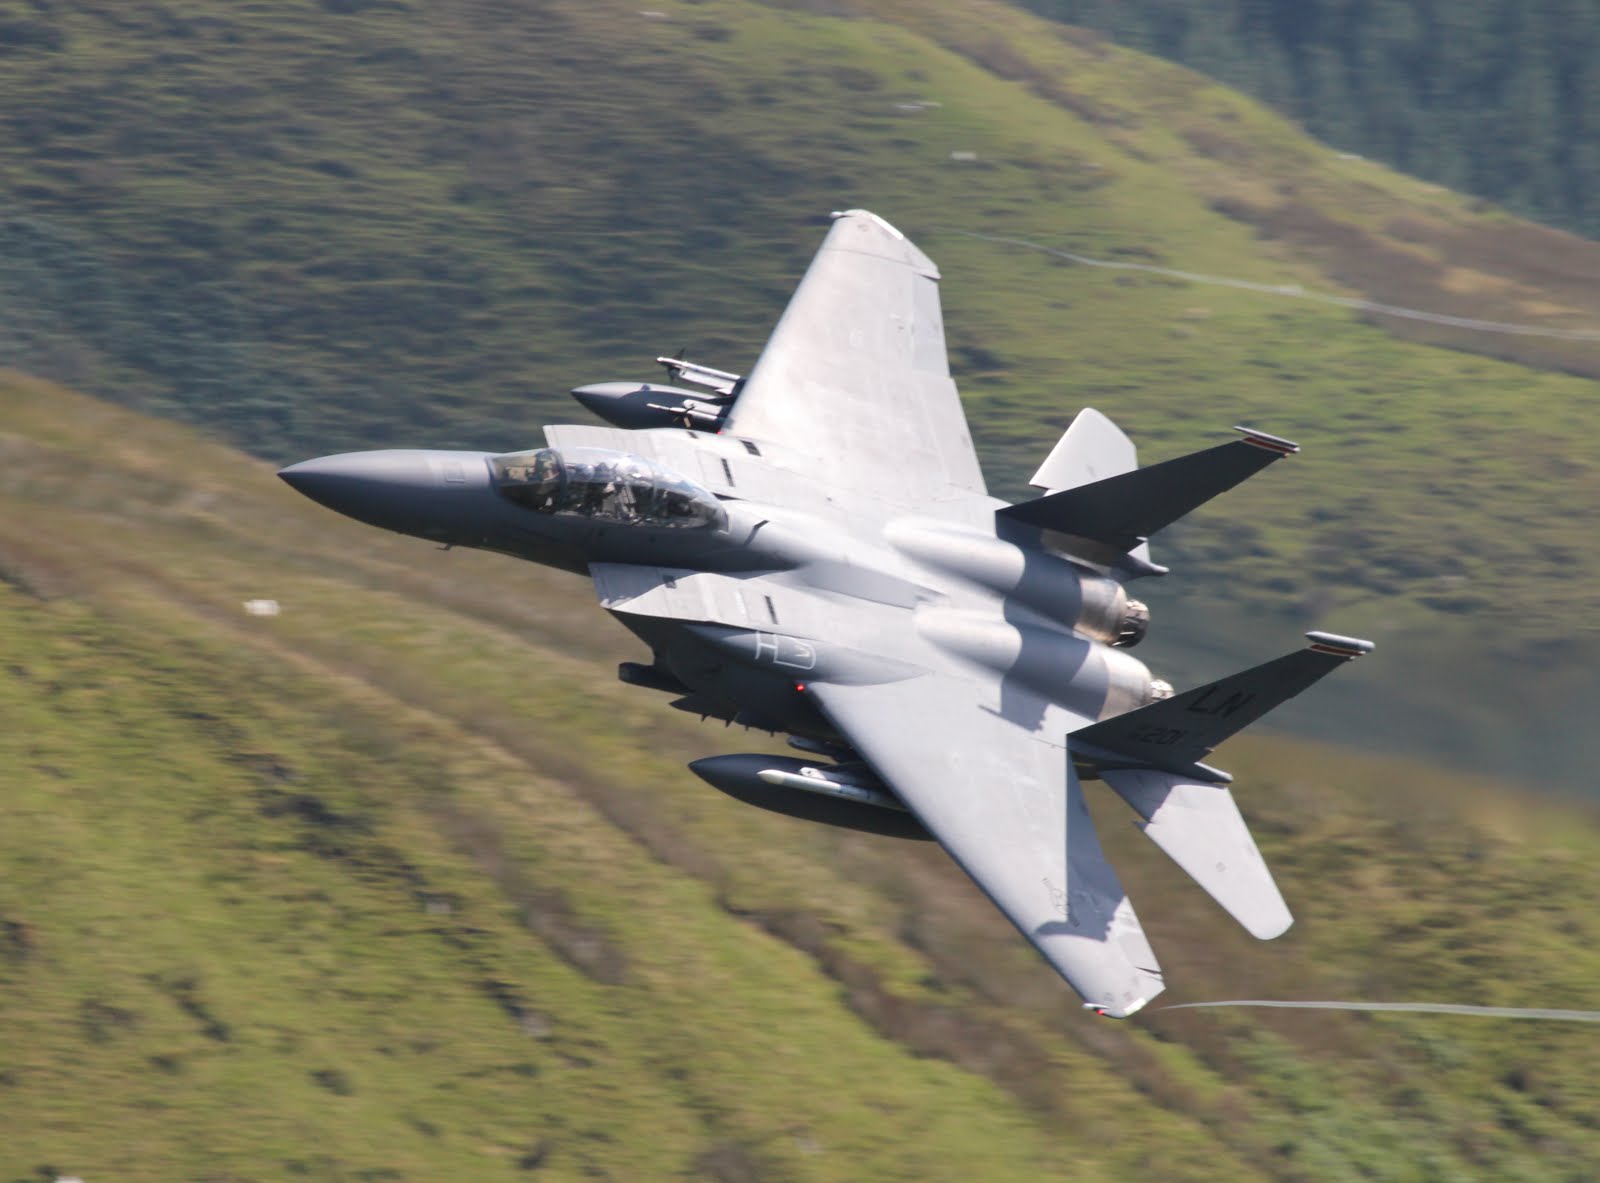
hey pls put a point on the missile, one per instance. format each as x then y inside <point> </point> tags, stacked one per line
<point>812,780</point>
<point>719,380</point>
<point>834,794</point>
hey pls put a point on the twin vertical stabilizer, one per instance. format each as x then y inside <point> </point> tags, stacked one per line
<point>1091,449</point>
<point>1104,507</point>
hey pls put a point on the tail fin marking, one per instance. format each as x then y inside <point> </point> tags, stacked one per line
<point>1176,733</point>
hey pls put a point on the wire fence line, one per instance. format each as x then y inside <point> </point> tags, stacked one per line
<point>1295,292</point>
<point>1426,1008</point>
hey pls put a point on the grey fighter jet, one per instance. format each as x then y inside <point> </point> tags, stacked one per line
<point>810,550</point>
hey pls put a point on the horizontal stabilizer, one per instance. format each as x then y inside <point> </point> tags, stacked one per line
<point>1176,733</point>
<point>1200,828</point>
<point>1121,511</point>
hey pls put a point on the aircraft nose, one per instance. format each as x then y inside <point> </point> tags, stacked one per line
<point>399,489</point>
<point>357,481</point>
<point>322,478</point>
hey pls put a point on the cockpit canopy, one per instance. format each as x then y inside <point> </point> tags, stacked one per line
<point>610,487</point>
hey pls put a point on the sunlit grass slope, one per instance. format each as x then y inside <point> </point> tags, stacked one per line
<point>402,884</point>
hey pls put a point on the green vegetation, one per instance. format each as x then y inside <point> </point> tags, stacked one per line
<point>402,883</point>
<point>1492,97</point>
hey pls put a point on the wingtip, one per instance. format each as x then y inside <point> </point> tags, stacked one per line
<point>1268,443</point>
<point>1271,927</point>
<point>1104,1011</point>
<point>872,234</point>
<point>877,219</point>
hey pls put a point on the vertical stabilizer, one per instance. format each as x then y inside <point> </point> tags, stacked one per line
<point>1118,513</point>
<point>1091,449</point>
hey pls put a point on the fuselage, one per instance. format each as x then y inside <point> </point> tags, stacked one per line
<point>991,595</point>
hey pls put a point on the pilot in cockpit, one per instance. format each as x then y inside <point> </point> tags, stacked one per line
<point>604,486</point>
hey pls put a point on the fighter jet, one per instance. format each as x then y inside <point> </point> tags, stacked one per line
<point>810,550</point>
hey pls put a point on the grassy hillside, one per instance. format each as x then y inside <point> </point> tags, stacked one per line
<point>401,883</point>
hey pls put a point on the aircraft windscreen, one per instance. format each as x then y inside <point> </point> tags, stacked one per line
<point>611,487</point>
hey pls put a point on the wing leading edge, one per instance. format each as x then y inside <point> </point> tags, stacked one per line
<point>855,377</point>
<point>1009,809</point>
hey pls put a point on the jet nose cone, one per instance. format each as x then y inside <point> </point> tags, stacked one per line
<point>315,477</point>
<point>354,477</point>
<point>404,490</point>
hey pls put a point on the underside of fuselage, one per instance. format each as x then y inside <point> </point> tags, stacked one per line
<point>708,683</point>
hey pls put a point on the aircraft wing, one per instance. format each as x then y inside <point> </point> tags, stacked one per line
<point>855,379</point>
<point>1008,807</point>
